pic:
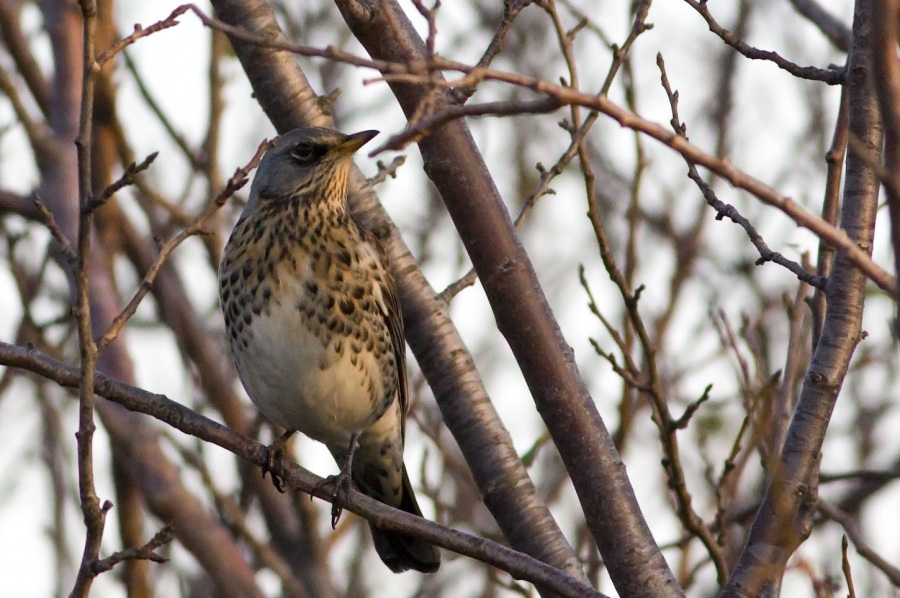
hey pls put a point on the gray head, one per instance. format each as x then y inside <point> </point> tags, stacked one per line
<point>311,162</point>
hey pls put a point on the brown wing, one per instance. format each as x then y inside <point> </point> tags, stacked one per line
<point>394,320</point>
<point>398,341</point>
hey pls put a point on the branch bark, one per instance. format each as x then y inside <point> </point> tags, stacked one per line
<point>147,466</point>
<point>453,162</point>
<point>886,67</point>
<point>784,518</point>
<point>286,96</point>
<point>190,422</point>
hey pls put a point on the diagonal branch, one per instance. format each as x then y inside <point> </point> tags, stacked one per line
<point>238,180</point>
<point>286,96</point>
<point>140,32</point>
<point>829,76</point>
<point>190,422</point>
<point>784,518</point>
<point>724,210</point>
<point>886,66</point>
<point>522,314</point>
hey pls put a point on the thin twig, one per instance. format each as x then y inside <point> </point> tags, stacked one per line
<point>853,532</point>
<point>424,126</point>
<point>140,32</point>
<point>724,210</point>
<point>511,9</point>
<point>126,179</point>
<point>385,172</point>
<point>238,180</point>
<point>829,76</point>
<point>682,422</point>
<point>595,309</point>
<point>145,552</point>
<point>845,567</point>
<point>57,233</point>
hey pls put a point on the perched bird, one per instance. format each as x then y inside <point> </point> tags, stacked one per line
<point>314,324</point>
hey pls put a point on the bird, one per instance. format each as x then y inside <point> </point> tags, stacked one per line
<point>314,325</point>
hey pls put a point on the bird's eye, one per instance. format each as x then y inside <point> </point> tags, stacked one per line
<point>303,152</point>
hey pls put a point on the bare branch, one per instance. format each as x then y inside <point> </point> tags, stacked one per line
<point>190,422</point>
<point>140,32</point>
<point>386,172</point>
<point>852,530</point>
<point>145,552</point>
<point>94,513</point>
<point>238,180</point>
<point>511,9</point>
<point>724,210</point>
<point>845,567</point>
<point>126,179</point>
<point>829,76</point>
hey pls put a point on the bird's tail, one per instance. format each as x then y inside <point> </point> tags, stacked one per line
<point>401,552</point>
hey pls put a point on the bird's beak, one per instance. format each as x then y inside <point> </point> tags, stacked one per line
<point>355,141</point>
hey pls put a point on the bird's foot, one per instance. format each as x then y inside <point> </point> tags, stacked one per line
<point>274,452</point>
<point>340,492</point>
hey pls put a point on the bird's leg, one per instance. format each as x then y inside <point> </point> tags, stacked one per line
<point>274,452</point>
<point>341,482</point>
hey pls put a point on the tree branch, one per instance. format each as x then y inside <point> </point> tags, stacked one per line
<point>784,518</point>
<point>522,314</point>
<point>287,97</point>
<point>190,422</point>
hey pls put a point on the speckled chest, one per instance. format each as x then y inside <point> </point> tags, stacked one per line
<point>287,255</point>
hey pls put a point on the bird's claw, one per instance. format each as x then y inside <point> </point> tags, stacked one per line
<point>340,493</point>
<point>269,468</point>
<point>342,481</point>
<point>274,453</point>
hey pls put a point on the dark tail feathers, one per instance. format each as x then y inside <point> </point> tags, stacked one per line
<point>401,552</point>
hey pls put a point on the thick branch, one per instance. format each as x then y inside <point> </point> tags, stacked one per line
<point>190,422</point>
<point>784,518</point>
<point>523,316</point>
<point>419,71</point>
<point>886,70</point>
<point>448,366</point>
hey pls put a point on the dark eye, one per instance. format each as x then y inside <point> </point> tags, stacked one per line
<point>303,152</point>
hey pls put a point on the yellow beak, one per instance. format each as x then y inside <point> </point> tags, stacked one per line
<point>355,141</point>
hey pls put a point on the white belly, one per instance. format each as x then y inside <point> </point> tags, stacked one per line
<point>300,383</point>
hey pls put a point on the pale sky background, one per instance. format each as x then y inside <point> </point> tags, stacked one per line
<point>174,65</point>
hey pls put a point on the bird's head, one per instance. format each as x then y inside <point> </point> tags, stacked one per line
<point>311,163</point>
